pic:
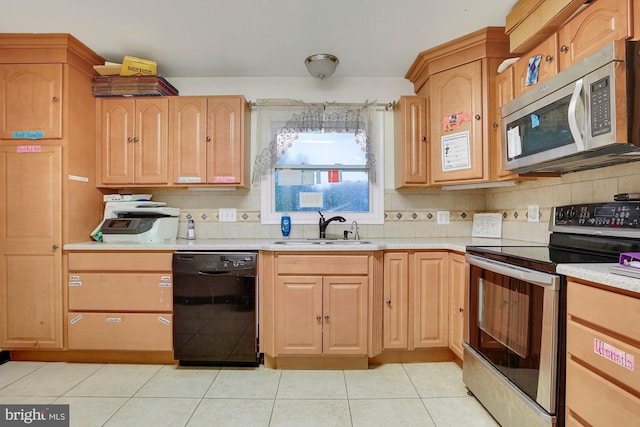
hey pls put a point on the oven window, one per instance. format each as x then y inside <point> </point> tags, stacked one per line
<point>509,326</point>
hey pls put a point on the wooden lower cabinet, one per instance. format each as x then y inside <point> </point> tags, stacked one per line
<point>120,301</point>
<point>416,292</point>
<point>458,283</point>
<point>320,309</point>
<point>603,343</point>
<point>322,315</point>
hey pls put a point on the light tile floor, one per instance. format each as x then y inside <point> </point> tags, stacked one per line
<point>417,394</point>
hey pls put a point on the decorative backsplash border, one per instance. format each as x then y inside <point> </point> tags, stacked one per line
<point>519,215</point>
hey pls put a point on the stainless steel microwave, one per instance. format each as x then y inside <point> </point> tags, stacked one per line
<point>584,117</point>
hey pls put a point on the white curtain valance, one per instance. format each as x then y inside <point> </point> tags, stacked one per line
<point>299,117</point>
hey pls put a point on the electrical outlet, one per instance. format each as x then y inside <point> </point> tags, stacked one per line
<point>442,217</point>
<point>533,213</point>
<point>227,215</point>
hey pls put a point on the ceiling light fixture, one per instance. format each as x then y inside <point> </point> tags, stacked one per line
<point>321,65</point>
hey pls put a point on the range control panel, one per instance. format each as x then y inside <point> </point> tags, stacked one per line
<point>610,215</point>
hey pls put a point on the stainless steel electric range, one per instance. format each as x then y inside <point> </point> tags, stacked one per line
<point>514,360</point>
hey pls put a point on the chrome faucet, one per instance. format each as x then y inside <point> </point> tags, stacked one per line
<point>355,230</point>
<point>323,224</point>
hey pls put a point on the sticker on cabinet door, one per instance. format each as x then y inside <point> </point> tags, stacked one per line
<point>224,179</point>
<point>26,134</point>
<point>163,320</point>
<point>455,119</point>
<point>75,319</point>
<point>613,354</point>
<point>165,278</point>
<point>456,152</point>
<point>29,149</point>
<point>74,277</point>
<point>114,319</point>
<point>78,178</point>
<point>164,285</point>
<point>75,283</point>
<point>189,180</point>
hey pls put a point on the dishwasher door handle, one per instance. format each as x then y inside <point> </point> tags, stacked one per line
<point>213,273</point>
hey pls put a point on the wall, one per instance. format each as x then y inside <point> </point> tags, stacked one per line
<point>408,213</point>
<point>597,185</point>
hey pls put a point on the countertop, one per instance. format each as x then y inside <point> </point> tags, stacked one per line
<point>598,273</point>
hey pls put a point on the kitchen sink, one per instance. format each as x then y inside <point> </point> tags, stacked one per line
<point>334,242</point>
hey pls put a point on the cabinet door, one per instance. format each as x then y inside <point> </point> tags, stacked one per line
<point>118,132</point>
<point>601,22</point>
<point>30,253</point>
<point>430,295</point>
<point>151,141</point>
<point>457,147</point>
<point>504,93</point>
<point>188,135</point>
<point>549,64</point>
<point>396,300</point>
<point>299,316</point>
<point>30,100</point>
<point>457,306</point>
<point>344,315</point>
<point>225,140</point>
<point>411,162</point>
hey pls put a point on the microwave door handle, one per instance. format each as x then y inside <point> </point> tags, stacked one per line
<point>573,119</point>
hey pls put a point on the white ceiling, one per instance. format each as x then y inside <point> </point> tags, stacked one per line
<point>250,38</point>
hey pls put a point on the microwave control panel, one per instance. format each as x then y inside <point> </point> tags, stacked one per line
<point>600,98</point>
<point>599,215</point>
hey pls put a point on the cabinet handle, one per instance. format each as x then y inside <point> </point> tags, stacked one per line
<point>318,317</point>
<point>548,58</point>
<point>461,310</point>
<point>495,125</point>
<point>564,48</point>
<point>208,139</point>
<point>388,302</point>
<point>135,139</point>
<point>129,139</point>
<point>424,138</point>
<point>55,99</point>
<point>326,317</point>
<point>477,116</point>
<point>55,246</point>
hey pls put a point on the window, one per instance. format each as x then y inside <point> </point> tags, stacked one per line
<point>329,168</point>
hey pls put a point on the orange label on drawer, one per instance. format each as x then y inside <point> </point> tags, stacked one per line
<point>613,354</point>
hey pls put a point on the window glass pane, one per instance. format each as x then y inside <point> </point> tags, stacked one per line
<point>310,190</point>
<point>322,172</point>
<point>317,148</point>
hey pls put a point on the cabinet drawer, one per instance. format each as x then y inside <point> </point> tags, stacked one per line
<point>120,331</point>
<point>120,261</point>
<point>582,343</point>
<point>120,292</point>
<point>615,312</point>
<point>323,264</point>
<point>597,401</point>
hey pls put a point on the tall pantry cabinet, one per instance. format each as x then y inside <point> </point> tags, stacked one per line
<point>48,195</point>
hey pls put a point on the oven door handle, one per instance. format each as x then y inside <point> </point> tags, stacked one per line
<point>538,278</point>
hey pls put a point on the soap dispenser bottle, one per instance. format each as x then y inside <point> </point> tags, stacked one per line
<point>285,225</point>
<point>191,230</point>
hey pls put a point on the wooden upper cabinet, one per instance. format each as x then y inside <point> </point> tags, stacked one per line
<point>457,151</point>
<point>504,83</point>
<point>603,21</point>
<point>134,141</point>
<point>549,65</point>
<point>210,136</point>
<point>30,101</point>
<point>411,142</point>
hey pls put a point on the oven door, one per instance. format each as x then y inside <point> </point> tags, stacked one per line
<point>514,325</point>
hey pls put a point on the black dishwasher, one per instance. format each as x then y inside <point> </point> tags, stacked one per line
<point>214,308</point>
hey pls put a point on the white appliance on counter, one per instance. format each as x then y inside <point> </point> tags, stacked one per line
<point>139,222</point>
